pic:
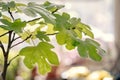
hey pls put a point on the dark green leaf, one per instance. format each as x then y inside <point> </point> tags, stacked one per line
<point>5,27</point>
<point>93,54</point>
<point>11,4</point>
<point>62,21</point>
<point>4,6</point>
<point>82,49</point>
<point>42,36</point>
<point>17,25</point>
<point>5,21</point>
<point>0,14</point>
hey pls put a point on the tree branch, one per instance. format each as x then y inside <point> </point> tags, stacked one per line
<point>34,19</point>
<point>2,47</point>
<point>16,38</point>
<point>12,59</point>
<point>21,41</point>
<point>4,34</point>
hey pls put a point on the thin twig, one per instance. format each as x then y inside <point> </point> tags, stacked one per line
<point>2,47</point>
<point>13,37</point>
<point>17,38</point>
<point>10,14</point>
<point>21,41</point>
<point>51,34</point>
<point>34,19</point>
<point>4,34</point>
<point>12,59</point>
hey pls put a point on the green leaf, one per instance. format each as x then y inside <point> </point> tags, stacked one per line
<point>4,6</point>
<point>74,21</point>
<point>62,21</point>
<point>7,18</point>
<point>50,29</point>
<point>20,4</point>
<point>89,48</point>
<point>17,25</point>
<point>42,36</point>
<point>50,55</point>
<point>5,27</point>
<point>78,32</point>
<point>85,29</point>
<point>11,4</point>
<point>93,54</point>
<point>5,21</point>
<point>29,12</point>
<point>32,9</point>
<point>70,43</point>
<point>61,37</point>
<point>51,6</point>
<point>40,54</point>
<point>0,14</point>
<point>82,49</point>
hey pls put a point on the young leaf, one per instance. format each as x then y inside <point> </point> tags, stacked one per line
<point>40,54</point>
<point>61,37</point>
<point>50,29</point>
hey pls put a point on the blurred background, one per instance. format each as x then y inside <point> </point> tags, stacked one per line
<point>103,17</point>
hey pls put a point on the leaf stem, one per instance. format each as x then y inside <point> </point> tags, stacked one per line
<point>12,59</point>
<point>10,14</point>
<point>21,41</point>
<point>34,19</point>
<point>52,34</point>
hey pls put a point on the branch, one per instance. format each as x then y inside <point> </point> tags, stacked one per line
<point>34,19</point>
<point>2,47</point>
<point>21,41</point>
<point>9,42</point>
<point>12,59</point>
<point>4,34</point>
<point>52,34</point>
<point>16,38</point>
<point>10,14</point>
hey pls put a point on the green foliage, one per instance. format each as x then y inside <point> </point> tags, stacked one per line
<point>16,26</point>
<point>42,36</point>
<point>40,54</point>
<point>68,31</point>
